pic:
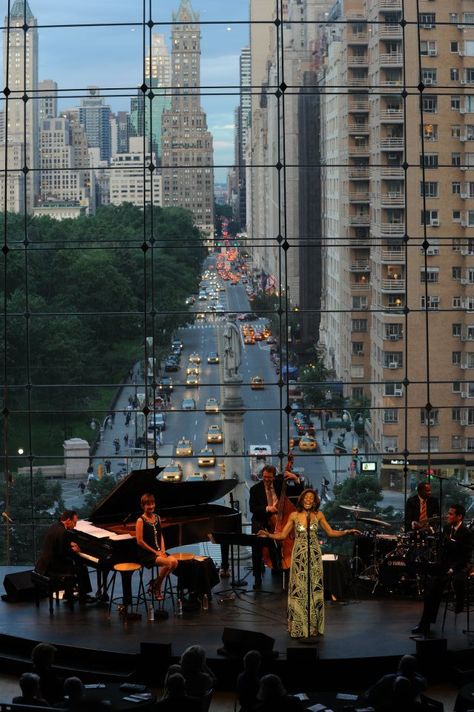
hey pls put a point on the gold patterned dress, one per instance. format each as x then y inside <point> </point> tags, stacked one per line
<point>302,570</point>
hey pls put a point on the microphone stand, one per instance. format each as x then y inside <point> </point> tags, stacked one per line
<point>309,638</point>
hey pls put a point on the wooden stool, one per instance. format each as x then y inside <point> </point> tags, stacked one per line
<point>126,570</point>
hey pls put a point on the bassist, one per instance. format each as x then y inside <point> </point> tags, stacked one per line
<point>263,502</point>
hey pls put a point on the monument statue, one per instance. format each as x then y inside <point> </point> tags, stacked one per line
<point>232,349</point>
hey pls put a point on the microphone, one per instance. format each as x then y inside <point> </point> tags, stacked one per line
<point>5,516</point>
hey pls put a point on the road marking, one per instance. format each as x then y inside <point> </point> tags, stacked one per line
<point>262,423</point>
<point>266,436</point>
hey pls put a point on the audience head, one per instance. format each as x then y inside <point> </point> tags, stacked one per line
<point>42,655</point>
<point>407,665</point>
<point>271,689</point>
<point>175,685</point>
<point>252,661</point>
<point>192,660</point>
<point>30,685</point>
<point>403,692</point>
<point>73,689</point>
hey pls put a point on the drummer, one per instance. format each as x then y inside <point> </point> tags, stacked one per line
<point>421,509</point>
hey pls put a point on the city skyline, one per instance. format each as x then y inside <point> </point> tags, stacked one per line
<point>76,57</point>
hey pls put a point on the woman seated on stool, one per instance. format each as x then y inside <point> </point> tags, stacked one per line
<point>151,544</point>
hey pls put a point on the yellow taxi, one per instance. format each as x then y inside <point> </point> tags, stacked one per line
<point>308,443</point>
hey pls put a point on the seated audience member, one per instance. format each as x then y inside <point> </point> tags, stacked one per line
<point>192,666</point>
<point>175,698</point>
<point>51,685</point>
<point>399,688</point>
<point>30,691</point>
<point>272,697</point>
<point>73,695</point>
<point>248,682</point>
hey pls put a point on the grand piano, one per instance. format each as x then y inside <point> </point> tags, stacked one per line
<point>187,510</point>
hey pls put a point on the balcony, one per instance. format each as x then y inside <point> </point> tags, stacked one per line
<point>393,285</point>
<point>357,38</point>
<point>358,150</point>
<point>358,105</point>
<point>360,266</point>
<point>392,229</point>
<point>391,5</point>
<point>391,59</point>
<point>393,199</point>
<point>359,82</point>
<point>359,172</point>
<point>392,143</point>
<point>391,115</point>
<point>390,83</point>
<point>355,59</point>
<point>393,256</point>
<point>359,197</point>
<point>390,31</point>
<point>360,286</point>
<point>359,128</point>
<point>359,219</point>
<point>387,172</point>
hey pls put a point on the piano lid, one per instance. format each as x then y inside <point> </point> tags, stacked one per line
<point>125,497</point>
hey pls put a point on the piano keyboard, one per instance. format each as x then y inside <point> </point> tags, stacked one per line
<point>92,559</point>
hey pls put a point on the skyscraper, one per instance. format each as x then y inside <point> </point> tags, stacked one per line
<point>20,118</point>
<point>48,99</point>
<point>187,149</point>
<point>94,116</point>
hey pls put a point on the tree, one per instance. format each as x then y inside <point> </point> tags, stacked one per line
<point>97,490</point>
<point>363,490</point>
<point>314,377</point>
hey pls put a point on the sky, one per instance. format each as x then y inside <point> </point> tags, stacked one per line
<point>111,57</point>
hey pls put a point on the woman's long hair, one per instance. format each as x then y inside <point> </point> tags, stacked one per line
<point>316,503</point>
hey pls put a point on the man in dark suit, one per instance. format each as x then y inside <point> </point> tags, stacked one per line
<point>452,568</point>
<point>263,503</point>
<point>58,557</point>
<point>420,508</point>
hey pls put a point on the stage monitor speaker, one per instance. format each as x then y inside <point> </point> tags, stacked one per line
<point>238,642</point>
<point>18,587</point>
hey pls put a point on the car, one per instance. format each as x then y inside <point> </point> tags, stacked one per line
<point>184,448</point>
<point>271,340</point>
<point>250,316</point>
<point>177,344</point>
<point>194,357</point>
<point>207,457</point>
<point>192,370</point>
<point>212,357</point>
<point>308,443</point>
<point>171,366</point>
<point>294,441</point>
<point>249,339</point>
<point>305,429</point>
<point>188,404</point>
<point>196,477</point>
<point>258,336</point>
<point>156,421</point>
<point>189,300</point>
<point>200,316</point>
<point>257,383</point>
<point>192,380</point>
<point>214,434</point>
<point>212,405</point>
<point>165,385</point>
<point>173,472</point>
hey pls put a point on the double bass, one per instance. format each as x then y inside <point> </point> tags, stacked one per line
<point>279,520</point>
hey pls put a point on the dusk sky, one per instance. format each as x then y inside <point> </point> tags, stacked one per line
<point>111,57</point>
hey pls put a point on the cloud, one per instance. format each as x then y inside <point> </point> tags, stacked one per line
<point>224,127</point>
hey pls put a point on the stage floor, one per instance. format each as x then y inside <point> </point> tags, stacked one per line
<point>357,628</point>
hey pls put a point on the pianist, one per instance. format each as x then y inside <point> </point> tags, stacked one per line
<point>151,544</point>
<point>59,557</point>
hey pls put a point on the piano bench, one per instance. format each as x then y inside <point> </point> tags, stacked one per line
<point>126,571</point>
<point>52,584</point>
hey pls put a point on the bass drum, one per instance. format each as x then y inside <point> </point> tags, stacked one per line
<point>394,575</point>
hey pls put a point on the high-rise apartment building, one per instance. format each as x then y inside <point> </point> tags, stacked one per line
<point>187,147</point>
<point>20,117</point>
<point>398,291</point>
<point>242,131</point>
<point>94,116</point>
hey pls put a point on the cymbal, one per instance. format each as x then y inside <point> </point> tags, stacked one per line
<point>355,509</point>
<point>375,522</point>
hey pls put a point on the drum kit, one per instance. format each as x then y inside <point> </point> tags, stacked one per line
<point>395,563</point>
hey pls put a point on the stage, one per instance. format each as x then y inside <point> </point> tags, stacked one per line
<point>364,633</point>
